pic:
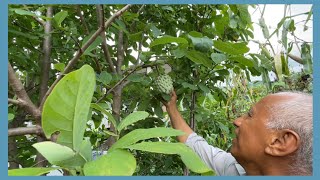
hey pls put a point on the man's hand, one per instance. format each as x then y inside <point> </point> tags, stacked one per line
<point>172,103</point>
<point>176,119</point>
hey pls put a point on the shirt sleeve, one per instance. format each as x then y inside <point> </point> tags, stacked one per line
<point>223,163</point>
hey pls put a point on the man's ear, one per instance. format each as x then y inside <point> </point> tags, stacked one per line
<point>282,143</point>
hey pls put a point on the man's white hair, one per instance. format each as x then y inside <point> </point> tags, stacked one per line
<point>296,114</point>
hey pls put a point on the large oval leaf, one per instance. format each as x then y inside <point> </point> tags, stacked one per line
<point>167,40</point>
<point>218,57</point>
<point>132,118</point>
<point>199,58</point>
<point>54,152</point>
<point>242,60</point>
<point>278,65</point>
<point>231,48</point>
<point>116,163</point>
<point>189,157</point>
<point>141,134</point>
<point>29,171</point>
<point>67,107</point>
<point>64,156</point>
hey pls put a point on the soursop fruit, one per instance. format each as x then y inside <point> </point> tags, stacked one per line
<point>164,84</point>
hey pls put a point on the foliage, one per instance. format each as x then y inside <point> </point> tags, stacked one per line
<point>74,154</point>
<point>203,48</point>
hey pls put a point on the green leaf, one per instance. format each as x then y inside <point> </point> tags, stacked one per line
<point>278,65</point>
<point>93,46</point>
<point>136,36</point>
<point>132,118</point>
<point>66,108</point>
<point>59,66</point>
<point>53,152</point>
<point>155,31</point>
<point>244,13</point>
<point>10,117</point>
<point>218,57</point>
<point>204,88</point>
<point>110,117</point>
<point>142,134</point>
<point>105,77</point>
<point>190,86</point>
<point>306,58</point>
<point>179,53</point>
<point>26,35</point>
<point>30,171</point>
<point>167,40</point>
<point>85,150</point>
<point>189,157</point>
<point>121,24</point>
<point>264,28</point>
<point>231,48</point>
<point>59,17</point>
<point>199,58</point>
<point>242,60</point>
<point>284,65</point>
<point>220,23</point>
<point>116,163</point>
<point>195,34</point>
<point>202,44</point>
<point>136,77</point>
<point>110,133</point>
<point>24,12</point>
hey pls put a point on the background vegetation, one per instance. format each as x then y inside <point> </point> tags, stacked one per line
<point>204,48</point>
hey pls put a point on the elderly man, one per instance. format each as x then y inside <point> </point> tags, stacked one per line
<point>273,138</point>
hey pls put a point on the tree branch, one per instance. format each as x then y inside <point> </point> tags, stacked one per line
<point>116,15</point>
<point>45,63</point>
<point>106,53</point>
<point>118,83</point>
<point>120,52</point>
<point>25,130</point>
<point>100,15</point>
<point>23,98</point>
<point>13,101</point>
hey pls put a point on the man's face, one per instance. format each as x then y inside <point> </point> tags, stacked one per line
<point>251,133</point>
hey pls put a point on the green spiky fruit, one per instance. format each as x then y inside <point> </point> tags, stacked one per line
<point>164,84</point>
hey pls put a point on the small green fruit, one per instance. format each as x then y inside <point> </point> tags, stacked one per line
<point>164,84</point>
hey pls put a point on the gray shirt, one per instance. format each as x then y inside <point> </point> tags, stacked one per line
<point>223,163</point>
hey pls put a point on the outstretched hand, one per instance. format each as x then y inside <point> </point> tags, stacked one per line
<point>172,102</point>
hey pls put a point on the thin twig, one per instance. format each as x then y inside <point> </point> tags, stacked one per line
<point>118,83</point>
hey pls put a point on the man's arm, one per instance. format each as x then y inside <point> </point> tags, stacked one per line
<point>176,119</point>
<point>220,161</point>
